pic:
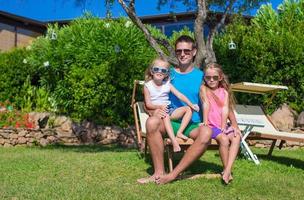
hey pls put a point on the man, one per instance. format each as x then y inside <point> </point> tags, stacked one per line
<point>187,79</point>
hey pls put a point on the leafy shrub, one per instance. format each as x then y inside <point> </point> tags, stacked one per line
<point>90,66</point>
<point>270,51</point>
<point>13,73</point>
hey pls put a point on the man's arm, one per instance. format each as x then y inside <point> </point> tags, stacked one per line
<point>183,98</point>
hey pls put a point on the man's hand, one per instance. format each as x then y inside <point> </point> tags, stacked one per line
<point>195,107</point>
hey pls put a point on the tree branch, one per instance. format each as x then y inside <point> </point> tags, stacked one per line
<point>132,5</point>
<point>199,32</point>
<point>131,13</point>
<point>167,45</point>
<point>209,43</point>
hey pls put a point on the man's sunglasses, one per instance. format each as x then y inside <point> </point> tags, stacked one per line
<point>215,78</point>
<point>159,70</point>
<point>180,51</point>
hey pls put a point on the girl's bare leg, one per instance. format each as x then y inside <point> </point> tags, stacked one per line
<point>233,152</point>
<point>170,133</point>
<point>223,142</point>
<point>184,113</point>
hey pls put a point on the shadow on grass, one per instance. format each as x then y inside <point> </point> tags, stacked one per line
<point>88,148</point>
<point>198,167</point>
<point>296,163</point>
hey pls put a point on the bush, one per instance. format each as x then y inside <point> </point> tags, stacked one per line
<point>269,50</point>
<point>89,67</point>
<point>13,73</point>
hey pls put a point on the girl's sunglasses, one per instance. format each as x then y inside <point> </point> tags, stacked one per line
<point>159,70</point>
<point>215,78</point>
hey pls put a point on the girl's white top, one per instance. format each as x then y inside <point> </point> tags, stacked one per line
<point>159,94</point>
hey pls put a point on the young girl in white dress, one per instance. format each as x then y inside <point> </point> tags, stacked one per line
<point>156,93</point>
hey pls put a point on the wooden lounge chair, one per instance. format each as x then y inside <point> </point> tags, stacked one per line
<point>255,123</point>
<point>266,130</point>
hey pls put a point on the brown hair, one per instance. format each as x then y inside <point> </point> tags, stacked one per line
<point>185,38</point>
<point>148,74</point>
<point>224,83</point>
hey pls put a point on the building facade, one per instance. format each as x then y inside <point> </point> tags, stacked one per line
<point>18,31</point>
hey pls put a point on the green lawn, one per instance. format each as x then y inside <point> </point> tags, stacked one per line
<point>59,172</point>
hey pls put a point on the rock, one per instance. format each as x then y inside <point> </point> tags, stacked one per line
<point>22,133</point>
<point>60,120</point>
<point>107,141</point>
<point>21,140</point>
<point>13,136</point>
<point>102,133</point>
<point>48,132</point>
<point>51,139</point>
<point>29,144</point>
<point>39,119</point>
<point>2,141</point>
<point>284,118</point>
<point>300,120</point>
<point>88,125</point>
<point>5,135</point>
<point>43,142</point>
<point>117,130</point>
<point>38,135</point>
<point>291,143</point>
<point>7,145</point>
<point>260,145</point>
<point>127,138</point>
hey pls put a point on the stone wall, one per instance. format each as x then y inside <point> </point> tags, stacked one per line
<point>51,129</point>
<point>88,133</point>
<point>102,135</point>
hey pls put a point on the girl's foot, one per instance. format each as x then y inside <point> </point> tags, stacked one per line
<point>226,178</point>
<point>230,177</point>
<point>182,136</point>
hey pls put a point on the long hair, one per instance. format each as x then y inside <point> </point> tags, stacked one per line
<point>148,73</point>
<point>224,83</point>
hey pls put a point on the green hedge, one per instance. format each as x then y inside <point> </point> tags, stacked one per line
<point>270,50</point>
<point>85,70</point>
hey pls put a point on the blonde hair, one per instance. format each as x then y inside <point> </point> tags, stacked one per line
<point>148,73</point>
<point>224,82</point>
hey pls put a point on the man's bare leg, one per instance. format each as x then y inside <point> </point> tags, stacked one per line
<point>201,136</point>
<point>155,128</point>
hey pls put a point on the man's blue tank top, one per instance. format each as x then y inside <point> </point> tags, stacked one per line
<point>189,85</point>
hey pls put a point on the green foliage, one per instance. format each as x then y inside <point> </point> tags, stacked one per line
<point>270,51</point>
<point>89,66</point>
<point>13,73</point>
